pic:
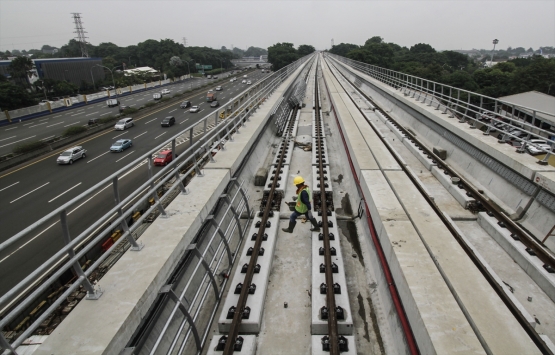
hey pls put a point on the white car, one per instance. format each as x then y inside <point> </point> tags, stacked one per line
<point>71,155</point>
<point>248,82</point>
<point>194,109</point>
<point>244,76</point>
<point>165,92</point>
<point>541,147</point>
<point>230,80</point>
<point>218,88</point>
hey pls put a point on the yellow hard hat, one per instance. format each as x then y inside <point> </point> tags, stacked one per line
<point>298,180</point>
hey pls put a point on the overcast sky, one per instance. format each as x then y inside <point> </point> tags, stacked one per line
<point>27,24</point>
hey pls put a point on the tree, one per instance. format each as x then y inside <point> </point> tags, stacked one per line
<point>343,48</point>
<point>305,49</point>
<point>255,52</point>
<point>375,39</point>
<point>175,61</point>
<point>13,97</point>
<point>281,55</point>
<point>539,76</point>
<point>63,88</point>
<point>19,69</point>
<point>422,48</point>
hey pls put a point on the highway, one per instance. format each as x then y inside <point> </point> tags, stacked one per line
<point>54,124</point>
<point>31,191</point>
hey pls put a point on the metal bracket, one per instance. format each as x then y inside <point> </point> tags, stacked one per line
<point>193,248</point>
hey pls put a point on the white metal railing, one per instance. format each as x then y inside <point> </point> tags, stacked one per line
<point>467,106</point>
<point>67,258</point>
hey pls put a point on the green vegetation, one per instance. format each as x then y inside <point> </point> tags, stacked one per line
<point>107,119</point>
<point>29,147</point>
<point>456,69</point>
<point>129,111</point>
<point>283,54</point>
<point>71,131</point>
<point>150,104</point>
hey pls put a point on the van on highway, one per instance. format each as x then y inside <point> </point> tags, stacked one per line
<point>157,96</point>
<point>112,102</point>
<point>124,123</point>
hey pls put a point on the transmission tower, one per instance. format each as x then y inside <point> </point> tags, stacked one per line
<point>185,41</point>
<point>80,34</point>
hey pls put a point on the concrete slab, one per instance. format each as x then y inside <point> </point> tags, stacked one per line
<point>135,280</point>
<point>500,330</point>
<point>255,301</point>
<point>546,180</point>
<point>316,178</point>
<point>445,180</point>
<point>438,323</point>
<point>282,178</point>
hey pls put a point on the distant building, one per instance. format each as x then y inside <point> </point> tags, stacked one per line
<point>469,52</point>
<point>141,71</point>
<point>50,51</point>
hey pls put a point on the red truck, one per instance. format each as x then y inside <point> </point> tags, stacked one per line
<point>211,96</point>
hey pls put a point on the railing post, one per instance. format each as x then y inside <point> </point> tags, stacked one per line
<point>92,293</point>
<point>154,192</point>
<point>134,245</point>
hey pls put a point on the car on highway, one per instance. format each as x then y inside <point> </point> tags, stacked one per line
<point>218,88</point>
<point>165,92</point>
<point>124,123</point>
<point>194,109</point>
<point>244,76</point>
<point>71,155</point>
<point>163,158</point>
<point>248,82</point>
<point>215,77</point>
<point>120,145</point>
<point>168,121</point>
<point>93,121</point>
<point>185,104</point>
<point>214,104</point>
<point>243,82</point>
<point>122,107</point>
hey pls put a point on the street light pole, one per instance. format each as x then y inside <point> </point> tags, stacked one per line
<point>111,72</point>
<point>495,41</point>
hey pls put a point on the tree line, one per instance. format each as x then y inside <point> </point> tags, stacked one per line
<point>508,77</point>
<point>167,56</point>
<point>283,54</point>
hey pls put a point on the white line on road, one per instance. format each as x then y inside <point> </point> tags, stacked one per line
<point>74,123</point>
<point>47,138</point>
<point>140,135</point>
<point>44,119</point>
<point>105,113</point>
<point>161,135</point>
<point>151,120</point>
<point>77,114</point>
<point>68,190</point>
<point>26,124</point>
<point>9,186</point>
<point>30,192</point>
<point>9,129</point>
<point>119,135</point>
<point>98,157</point>
<point>57,116</point>
<point>5,145</point>
<point>184,121</point>
<point>125,156</point>
<point>172,111</point>
<point>7,138</point>
<point>55,124</point>
<point>92,113</point>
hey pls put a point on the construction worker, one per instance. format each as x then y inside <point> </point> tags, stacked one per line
<point>302,207</point>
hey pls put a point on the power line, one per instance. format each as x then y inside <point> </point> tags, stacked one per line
<point>80,34</point>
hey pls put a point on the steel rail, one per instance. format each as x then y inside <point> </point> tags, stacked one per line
<point>242,302</point>
<point>535,337</point>
<point>330,295</point>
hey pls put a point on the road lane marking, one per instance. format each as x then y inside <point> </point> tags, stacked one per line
<point>68,190</point>
<point>172,111</point>
<point>44,119</point>
<point>71,124</point>
<point>93,113</point>
<point>30,192</point>
<point>184,121</point>
<point>55,124</point>
<point>160,135</point>
<point>154,119</point>
<point>97,157</point>
<point>5,139</point>
<point>47,138</point>
<point>26,124</point>
<point>125,156</point>
<point>9,186</point>
<point>57,116</point>
<point>140,135</point>
<point>105,113</point>
<point>120,135</point>
<point>5,145</point>
<point>9,129</point>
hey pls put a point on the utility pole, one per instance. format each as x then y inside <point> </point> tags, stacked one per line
<point>332,43</point>
<point>185,41</point>
<point>81,38</point>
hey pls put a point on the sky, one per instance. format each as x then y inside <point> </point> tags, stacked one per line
<point>444,24</point>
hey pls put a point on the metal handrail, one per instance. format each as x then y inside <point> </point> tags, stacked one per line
<point>201,148</point>
<point>463,104</point>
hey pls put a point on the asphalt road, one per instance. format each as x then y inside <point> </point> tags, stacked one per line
<point>35,189</point>
<point>54,124</point>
